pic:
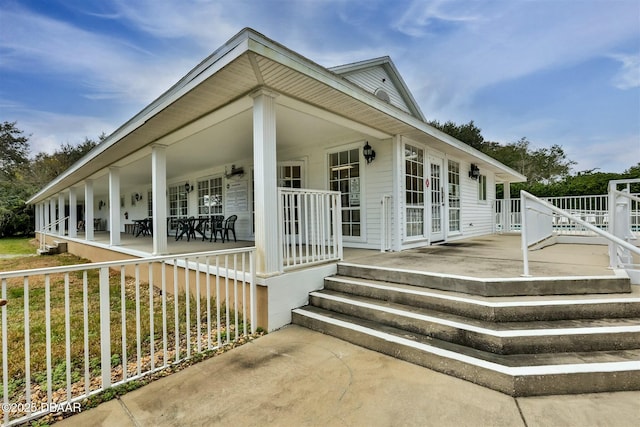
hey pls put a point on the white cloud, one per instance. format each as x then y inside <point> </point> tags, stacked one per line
<point>107,67</point>
<point>509,41</point>
<point>629,75</point>
<point>48,131</point>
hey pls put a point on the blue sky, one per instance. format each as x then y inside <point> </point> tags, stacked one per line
<point>561,72</point>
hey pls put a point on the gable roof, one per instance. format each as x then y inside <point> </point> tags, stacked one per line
<point>362,73</point>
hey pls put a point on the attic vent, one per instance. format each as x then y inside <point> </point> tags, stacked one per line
<point>382,95</point>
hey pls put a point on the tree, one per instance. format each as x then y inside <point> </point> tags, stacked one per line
<point>45,167</point>
<point>21,177</point>
<point>468,133</point>
<point>544,165</point>
<point>14,150</point>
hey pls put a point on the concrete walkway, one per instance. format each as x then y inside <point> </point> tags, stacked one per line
<point>297,377</point>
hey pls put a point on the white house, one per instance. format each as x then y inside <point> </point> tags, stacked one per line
<point>256,117</point>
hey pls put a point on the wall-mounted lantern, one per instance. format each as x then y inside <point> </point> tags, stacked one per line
<point>188,188</point>
<point>474,172</point>
<point>368,152</point>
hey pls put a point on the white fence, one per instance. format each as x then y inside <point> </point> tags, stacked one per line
<point>310,227</point>
<point>591,209</point>
<point>537,209</point>
<point>73,331</point>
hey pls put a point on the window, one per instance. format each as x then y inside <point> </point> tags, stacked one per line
<point>482,188</point>
<point>178,202</point>
<point>454,195</point>
<point>414,190</point>
<point>210,197</point>
<point>149,203</point>
<point>344,176</point>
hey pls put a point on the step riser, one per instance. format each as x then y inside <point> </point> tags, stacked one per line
<point>485,342</point>
<point>496,314</point>
<point>490,288</point>
<point>530,385</point>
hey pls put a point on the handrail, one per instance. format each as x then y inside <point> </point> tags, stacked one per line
<point>525,195</point>
<point>48,227</point>
<point>113,264</point>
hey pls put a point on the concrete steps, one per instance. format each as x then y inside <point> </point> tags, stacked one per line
<point>519,345</point>
<point>55,248</point>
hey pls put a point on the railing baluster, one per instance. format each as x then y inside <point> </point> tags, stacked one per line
<point>208,283</point>
<point>85,322</point>
<point>152,332</point>
<point>244,295</point>
<point>187,300</point>
<point>123,322</point>
<point>218,321</point>
<point>47,319</point>
<point>235,293</point>
<point>67,333</point>
<point>226,295</point>
<point>5,361</point>
<point>176,315</point>
<point>27,346</point>
<point>105,328</point>
<point>198,324</point>
<point>138,322</point>
<point>165,333</point>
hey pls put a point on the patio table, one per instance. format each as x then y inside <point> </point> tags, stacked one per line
<point>142,227</point>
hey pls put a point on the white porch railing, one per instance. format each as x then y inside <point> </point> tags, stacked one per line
<point>591,209</point>
<point>310,227</point>
<point>537,225</point>
<point>70,332</point>
<point>49,229</point>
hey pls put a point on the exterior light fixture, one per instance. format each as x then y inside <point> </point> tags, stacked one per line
<point>187,187</point>
<point>474,172</point>
<point>369,153</point>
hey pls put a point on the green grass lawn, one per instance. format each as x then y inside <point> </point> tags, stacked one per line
<point>17,246</point>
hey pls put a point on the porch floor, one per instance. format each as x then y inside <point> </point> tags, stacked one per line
<point>143,245</point>
<point>492,256</point>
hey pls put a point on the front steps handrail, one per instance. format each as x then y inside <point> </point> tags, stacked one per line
<point>48,228</point>
<point>525,196</point>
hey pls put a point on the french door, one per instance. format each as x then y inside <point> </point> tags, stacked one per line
<point>291,175</point>
<point>437,198</point>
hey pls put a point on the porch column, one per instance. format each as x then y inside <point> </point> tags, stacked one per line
<point>88,209</point>
<point>159,194</point>
<point>61,225</point>
<point>114,206</point>
<point>46,208</point>
<point>73,213</point>
<point>398,180</point>
<point>36,217</point>
<point>265,181</point>
<point>54,216</point>
<point>506,190</point>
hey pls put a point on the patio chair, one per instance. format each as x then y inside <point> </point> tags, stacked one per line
<point>202,223</point>
<point>230,225</point>
<point>186,227</point>
<point>217,226</point>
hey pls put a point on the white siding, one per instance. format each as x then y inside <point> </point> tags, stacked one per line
<point>476,215</point>
<point>372,79</point>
